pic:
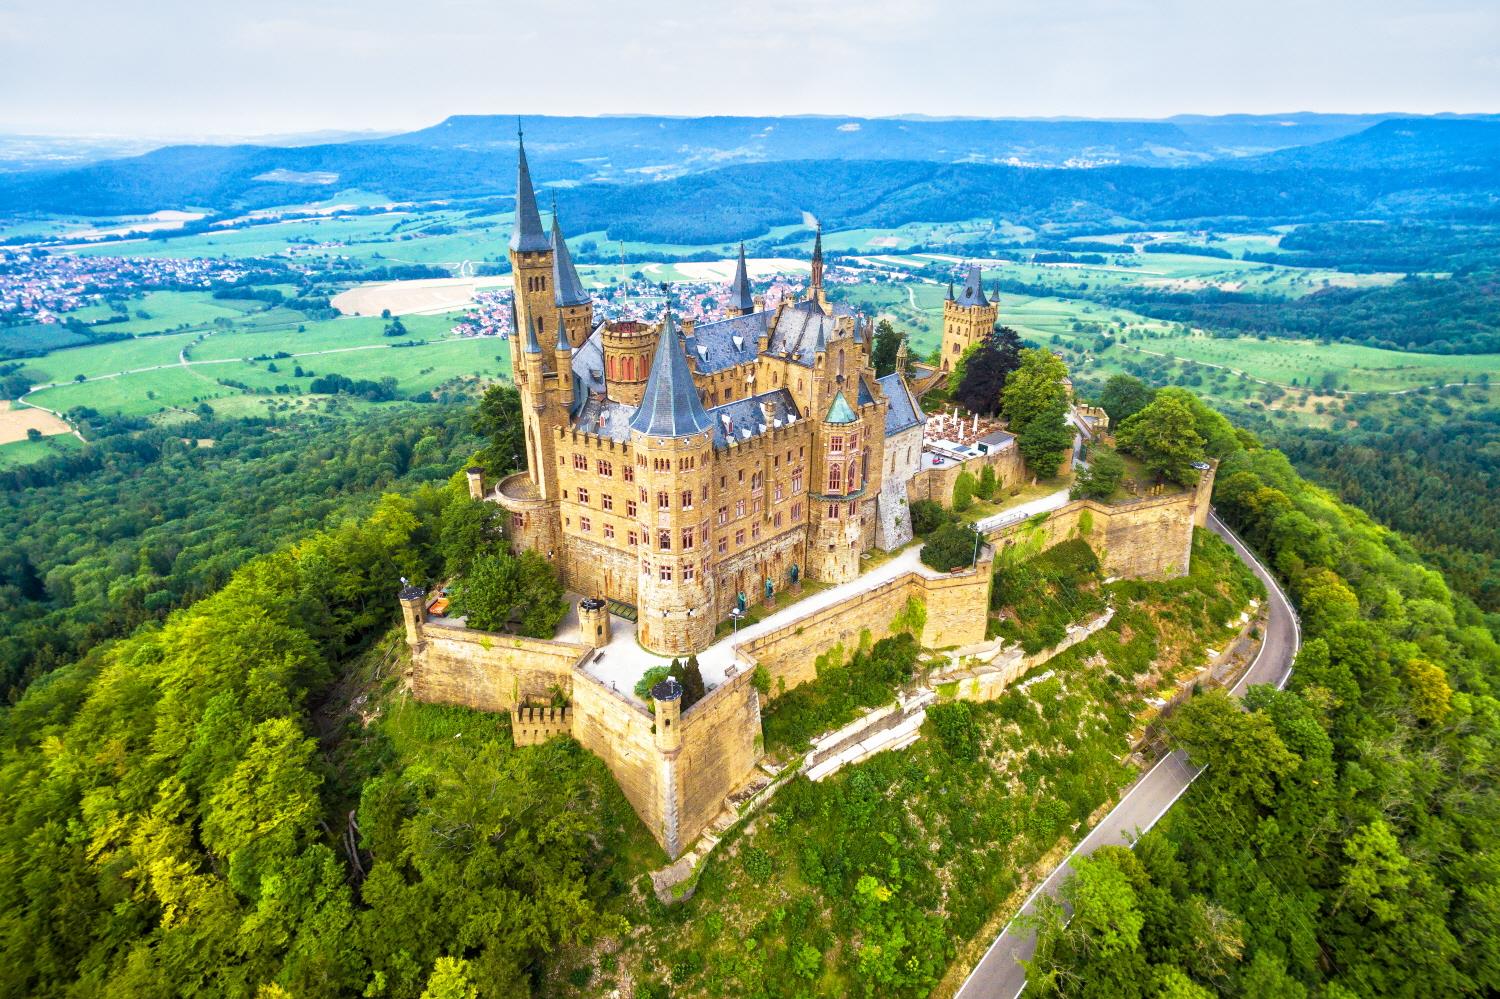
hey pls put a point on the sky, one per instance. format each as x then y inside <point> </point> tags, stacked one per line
<point>182,68</point>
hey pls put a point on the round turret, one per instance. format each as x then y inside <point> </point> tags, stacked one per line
<point>628,346</point>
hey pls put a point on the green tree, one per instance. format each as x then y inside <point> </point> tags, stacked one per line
<point>985,490</point>
<point>1035,403</point>
<point>511,592</point>
<point>951,546</point>
<point>887,344</point>
<point>1123,396</point>
<point>470,529</point>
<point>1163,435</point>
<point>450,980</point>
<point>498,420</point>
<point>1101,477</point>
<point>964,487</point>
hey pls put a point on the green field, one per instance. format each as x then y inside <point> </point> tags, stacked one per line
<point>352,347</point>
<point>19,453</point>
<point>156,311</point>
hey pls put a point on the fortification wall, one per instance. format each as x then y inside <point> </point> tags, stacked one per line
<point>533,726</point>
<point>488,672</point>
<point>1145,539</point>
<point>955,608</point>
<point>936,484</point>
<point>721,742</point>
<point>619,731</point>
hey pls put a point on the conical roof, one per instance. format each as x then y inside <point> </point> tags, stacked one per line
<point>562,335</point>
<point>532,345</point>
<point>840,411</point>
<point>527,235</point>
<point>739,292</point>
<point>973,293</point>
<point>566,288</point>
<point>670,407</point>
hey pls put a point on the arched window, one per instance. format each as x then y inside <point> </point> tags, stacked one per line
<point>841,362</point>
<point>835,477</point>
<point>609,367</point>
<point>853,477</point>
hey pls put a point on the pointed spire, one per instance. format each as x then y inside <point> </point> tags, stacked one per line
<point>821,344</point>
<point>950,291</point>
<point>840,411</point>
<point>973,293</point>
<point>816,284</point>
<point>532,345</point>
<point>739,291</point>
<point>527,235</point>
<point>670,406</point>
<point>563,345</point>
<point>566,288</point>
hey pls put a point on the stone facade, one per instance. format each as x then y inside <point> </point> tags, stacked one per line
<point>673,471</point>
<point>968,318</point>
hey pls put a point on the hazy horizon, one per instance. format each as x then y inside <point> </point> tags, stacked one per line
<point>205,70</point>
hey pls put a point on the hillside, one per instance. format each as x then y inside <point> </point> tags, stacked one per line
<point>470,157</point>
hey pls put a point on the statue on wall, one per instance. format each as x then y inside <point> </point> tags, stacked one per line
<point>770,589</point>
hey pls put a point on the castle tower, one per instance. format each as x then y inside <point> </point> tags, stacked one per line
<point>815,281</point>
<point>593,621</point>
<point>837,473</point>
<point>967,318</point>
<point>666,698</point>
<point>413,613</point>
<point>672,440</point>
<point>628,349</point>
<point>741,302</point>
<point>574,306</point>
<point>475,475</point>
<point>531,263</point>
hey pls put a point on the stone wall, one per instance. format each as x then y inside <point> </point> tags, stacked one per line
<point>721,743</point>
<point>936,484</point>
<point>956,607</point>
<point>1144,539</point>
<point>489,672</point>
<point>619,732</point>
<point>533,726</point>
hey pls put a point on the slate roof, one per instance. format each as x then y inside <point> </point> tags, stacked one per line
<point>527,234</point>
<point>798,333</point>
<point>864,396</point>
<point>840,411</point>
<point>973,293</point>
<point>566,288</point>
<point>670,407</point>
<point>716,340</point>
<point>902,411</point>
<point>532,346</point>
<point>588,369</point>
<point>739,292</point>
<point>752,414</point>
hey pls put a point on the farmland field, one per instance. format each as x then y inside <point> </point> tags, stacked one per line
<point>25,452</point>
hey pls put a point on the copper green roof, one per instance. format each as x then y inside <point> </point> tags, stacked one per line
<point>840,411</point>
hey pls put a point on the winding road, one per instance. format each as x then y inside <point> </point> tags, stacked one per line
<point>999,975</point>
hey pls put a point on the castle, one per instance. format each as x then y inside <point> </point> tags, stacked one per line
<point>682,470</point>
<point>674,471</point>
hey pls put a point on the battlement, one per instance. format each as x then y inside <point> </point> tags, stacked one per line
<point>532,726</point>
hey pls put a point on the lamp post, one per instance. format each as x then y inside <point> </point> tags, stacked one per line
<point>735,615</point>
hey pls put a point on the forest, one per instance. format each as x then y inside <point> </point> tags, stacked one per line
<point>235,800</point>
<point>140,523</point>
<point>1345,838</point>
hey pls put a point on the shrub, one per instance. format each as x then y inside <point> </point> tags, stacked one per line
<point>950,547</point>
<point>956,729</point>
<point>987,484</point>
<point>963,491</point>
<point>927,516</point>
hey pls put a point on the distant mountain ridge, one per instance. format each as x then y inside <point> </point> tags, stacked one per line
<point>895,165</point>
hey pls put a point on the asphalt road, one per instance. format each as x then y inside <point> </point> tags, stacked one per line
<point>999,974</point>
